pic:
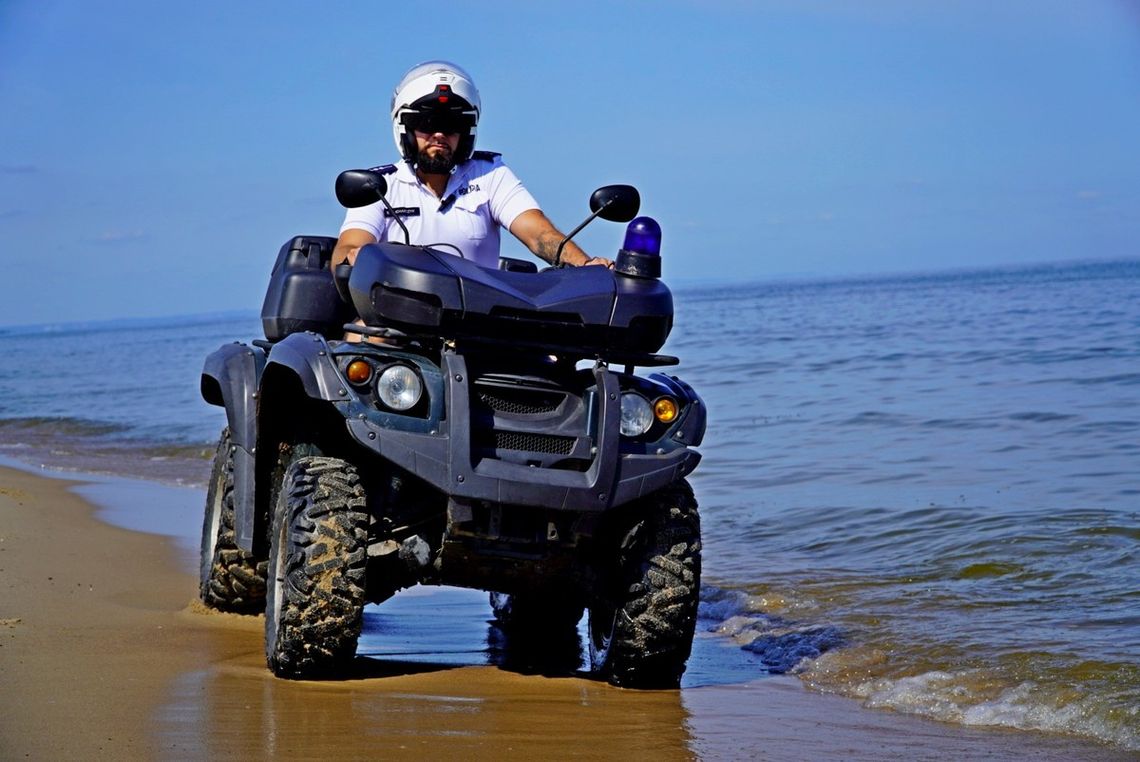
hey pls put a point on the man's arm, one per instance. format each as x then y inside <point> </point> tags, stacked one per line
<point>348,244</point>
<point>538,234</point>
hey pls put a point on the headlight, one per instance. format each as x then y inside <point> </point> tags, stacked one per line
<point>636,415</point>
<point>399,387</point>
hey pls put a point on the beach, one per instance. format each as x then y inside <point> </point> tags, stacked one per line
<point>106,653</point>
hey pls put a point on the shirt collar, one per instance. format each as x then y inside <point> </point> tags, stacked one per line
<point>458,178</point>
<point>405,174</point>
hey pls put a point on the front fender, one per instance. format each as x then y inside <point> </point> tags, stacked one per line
<point>307,356</point>
<point>691,430</point>
<point>299,371</point>
<point>231,378</point>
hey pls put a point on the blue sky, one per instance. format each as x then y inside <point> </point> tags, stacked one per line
<point>154,156</point>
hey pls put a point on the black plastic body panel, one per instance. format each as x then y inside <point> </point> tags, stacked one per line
<point>231,378</point>
<point>517,265</point>
<point>443,456</point>
<point>301,294</point>
<point>424,291</point>
<point>306,356</point>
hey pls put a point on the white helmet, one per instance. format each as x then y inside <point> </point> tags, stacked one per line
<point>438,93</point>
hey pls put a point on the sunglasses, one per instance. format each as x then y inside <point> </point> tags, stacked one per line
<point>448,124</point>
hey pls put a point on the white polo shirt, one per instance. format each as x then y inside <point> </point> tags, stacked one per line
<point>482,194</point>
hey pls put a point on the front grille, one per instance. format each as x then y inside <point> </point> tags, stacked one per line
<point>518,401</point>
<point>547,444</point>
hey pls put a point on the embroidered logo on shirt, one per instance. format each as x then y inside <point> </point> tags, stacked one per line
<point>403,211</point>
<point>455,195</point>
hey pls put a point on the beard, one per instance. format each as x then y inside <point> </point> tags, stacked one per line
<point>438,163</point>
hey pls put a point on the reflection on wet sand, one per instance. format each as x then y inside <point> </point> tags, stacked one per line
<point>435,701</point>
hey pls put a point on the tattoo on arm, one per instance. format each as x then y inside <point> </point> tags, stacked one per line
<point>547,245</point>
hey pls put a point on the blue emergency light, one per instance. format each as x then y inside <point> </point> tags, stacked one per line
<point>640,255</point>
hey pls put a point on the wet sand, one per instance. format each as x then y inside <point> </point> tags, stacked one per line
<point>105,653</point>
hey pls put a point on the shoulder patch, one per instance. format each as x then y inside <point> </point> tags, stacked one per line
<point>384,169</point>
<point>485,155</point>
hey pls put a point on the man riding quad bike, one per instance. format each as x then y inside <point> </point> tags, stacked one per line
<point>486,430</point>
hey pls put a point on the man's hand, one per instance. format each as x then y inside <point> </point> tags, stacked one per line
<point>348,244</point>
<point>599,261</point>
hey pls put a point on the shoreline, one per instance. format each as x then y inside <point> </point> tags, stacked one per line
<point>105,652</point>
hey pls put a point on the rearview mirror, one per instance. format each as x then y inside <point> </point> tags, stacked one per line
<point>616,203</point>
<point>360,187</point>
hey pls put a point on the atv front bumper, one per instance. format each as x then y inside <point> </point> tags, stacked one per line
<point>442,453</point>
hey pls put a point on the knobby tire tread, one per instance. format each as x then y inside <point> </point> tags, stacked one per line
<point>324,580</point>
<point>235,581</point>
<point>653,626</point>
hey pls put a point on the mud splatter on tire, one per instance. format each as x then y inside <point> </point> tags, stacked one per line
<point>317,569</point>
<point>643,637</point>
<point>231,579</point>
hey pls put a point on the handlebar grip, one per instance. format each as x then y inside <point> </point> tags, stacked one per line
<point>340,280</point>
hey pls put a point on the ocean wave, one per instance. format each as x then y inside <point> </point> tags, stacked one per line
<point>1026,691</point>
<point>980,697</point>
<point>78,445</point>
<point>119,325</point>
<point>1023,707</point>
<point>781,644</point>
<point>1121,379</point>
<point>59,426</point>
<point>1040,417</point>
<point>877,418</point>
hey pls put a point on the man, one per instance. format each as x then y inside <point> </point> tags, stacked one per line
<point>447,194</point>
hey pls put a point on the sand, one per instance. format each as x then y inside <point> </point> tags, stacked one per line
<point>105,653</point>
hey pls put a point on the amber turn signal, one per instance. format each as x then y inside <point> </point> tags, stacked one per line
<point>358,372</point>
<point>665,410</point>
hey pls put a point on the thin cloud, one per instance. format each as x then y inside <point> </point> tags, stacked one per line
<point>1089,194</point>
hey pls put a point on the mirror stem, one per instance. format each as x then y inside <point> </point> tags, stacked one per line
<point>396,217</point>
<point>574,232</point>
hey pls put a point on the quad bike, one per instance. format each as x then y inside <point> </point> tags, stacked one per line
<point>481,428</point>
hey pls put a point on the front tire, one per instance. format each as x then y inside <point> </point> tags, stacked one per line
<point>230,579</point>
<point>318,553</point>
<point>642,635</point>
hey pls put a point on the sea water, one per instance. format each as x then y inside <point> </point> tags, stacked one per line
<point>922,492</point>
